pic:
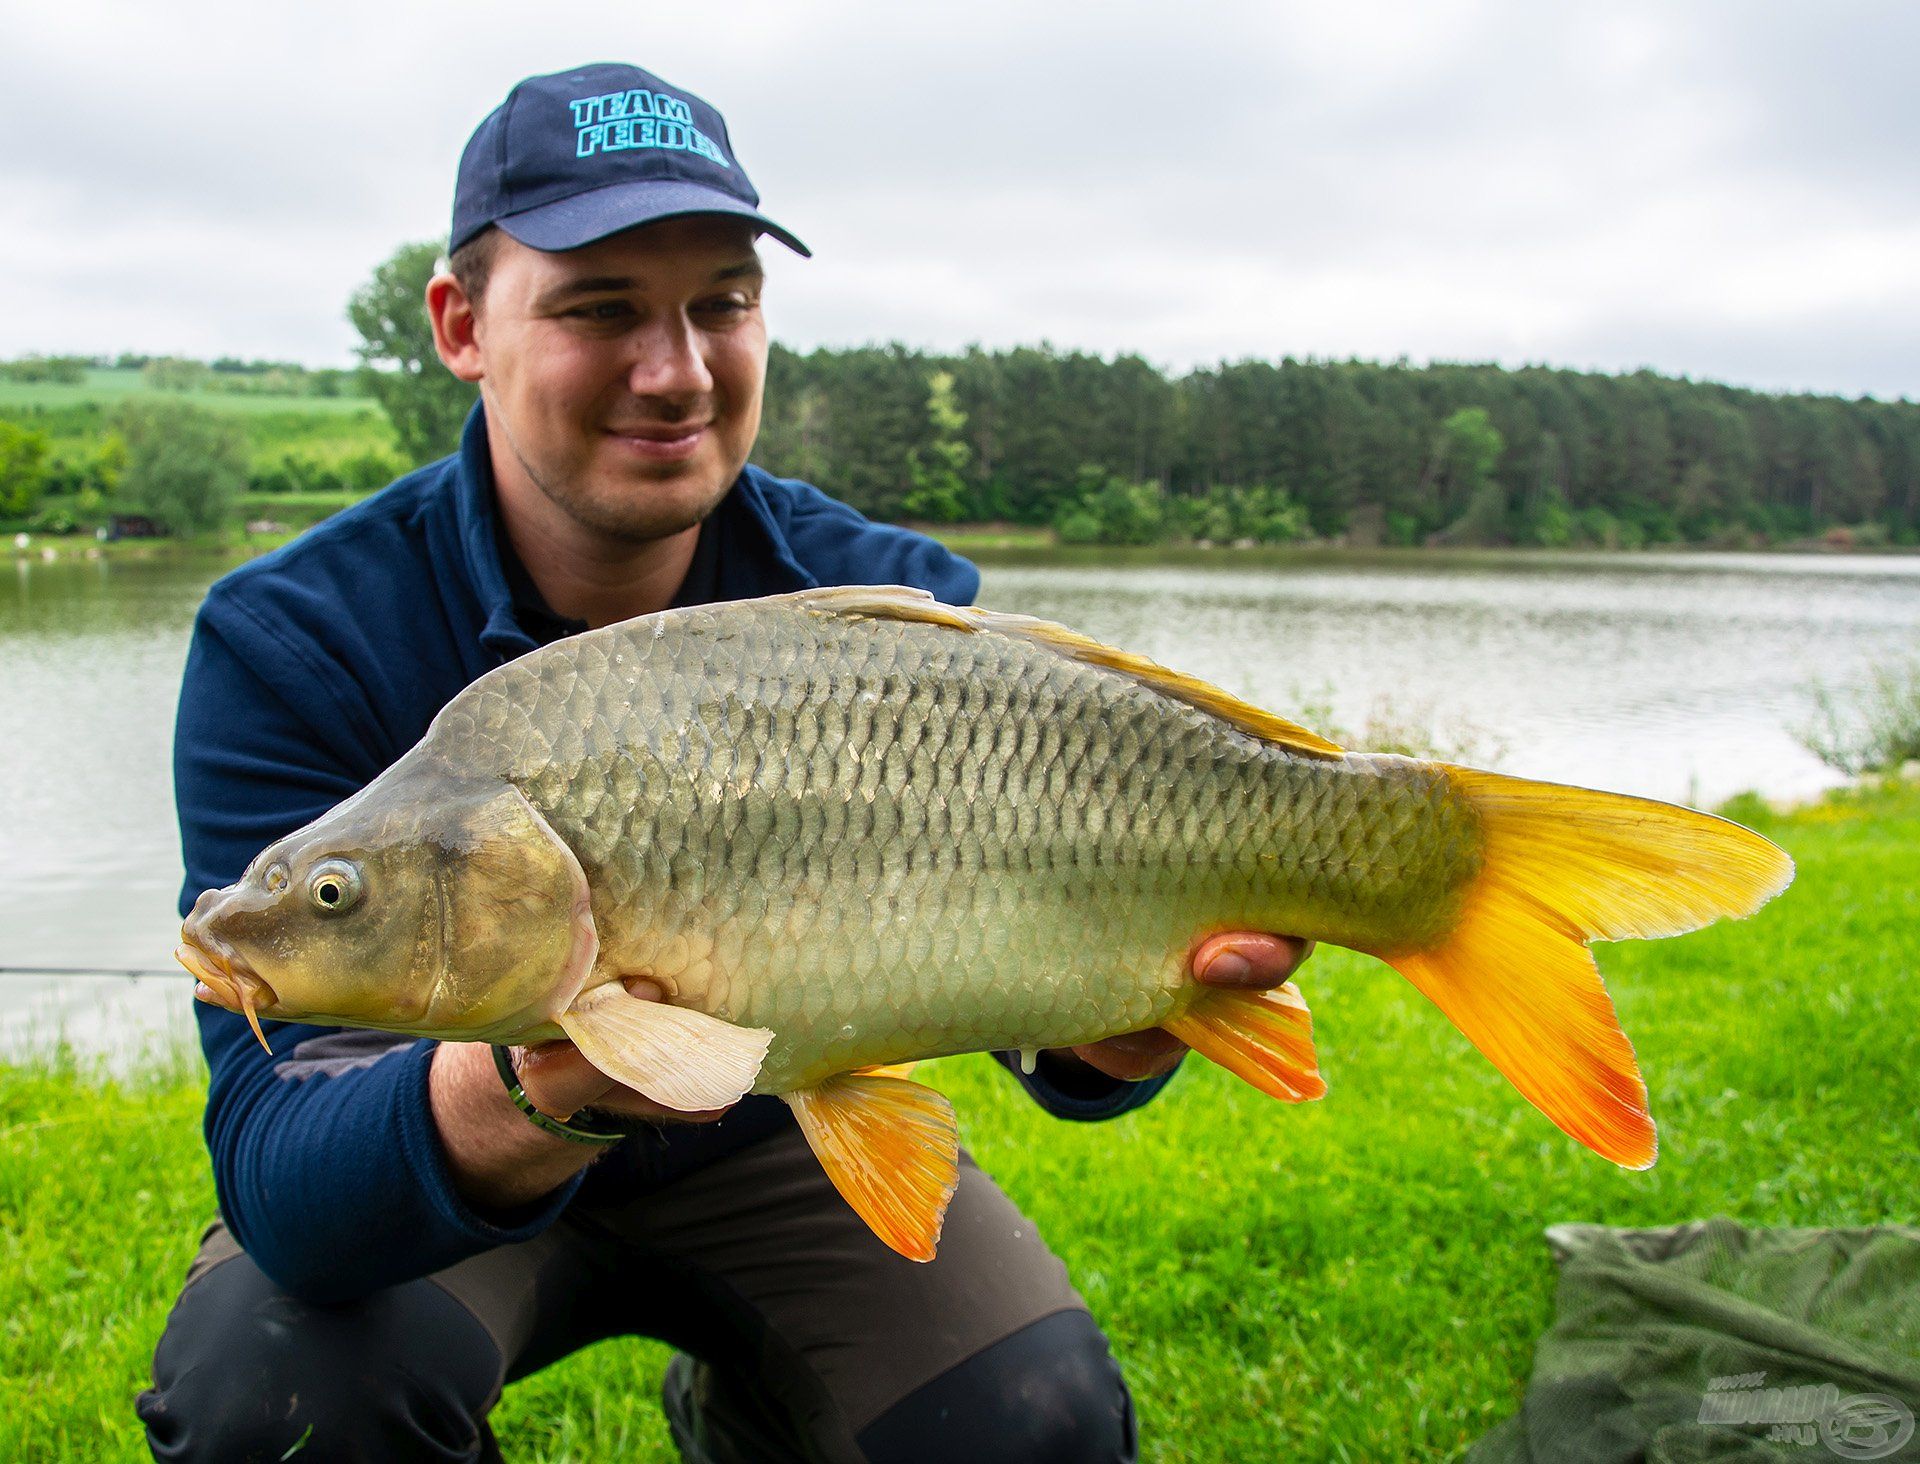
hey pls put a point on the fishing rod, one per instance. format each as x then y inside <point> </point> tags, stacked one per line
<point>118,972</point>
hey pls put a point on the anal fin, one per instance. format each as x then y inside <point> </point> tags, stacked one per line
<point>891,1148</point>
<point>679,1057</point>
<point>1264,1037</point>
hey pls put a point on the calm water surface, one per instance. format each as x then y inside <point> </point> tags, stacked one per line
<point>1678,676</point>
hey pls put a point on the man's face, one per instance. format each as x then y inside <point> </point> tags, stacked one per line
<point>625,377</point>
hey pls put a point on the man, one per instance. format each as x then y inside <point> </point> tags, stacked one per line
<point>401,1234</point>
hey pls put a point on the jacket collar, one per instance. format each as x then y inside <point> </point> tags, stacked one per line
<point>753,556</point>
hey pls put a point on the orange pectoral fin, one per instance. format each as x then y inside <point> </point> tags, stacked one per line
<point>1264,1037</point>
<point>675,1055</point>
<point>891,1148</point>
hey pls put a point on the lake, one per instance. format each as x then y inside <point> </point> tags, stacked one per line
<point>1674,675</point>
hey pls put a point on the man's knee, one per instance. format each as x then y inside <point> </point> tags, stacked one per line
<point>1049,1394</point>
<point>245,1371</point>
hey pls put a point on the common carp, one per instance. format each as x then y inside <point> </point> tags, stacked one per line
<point>846,829</point>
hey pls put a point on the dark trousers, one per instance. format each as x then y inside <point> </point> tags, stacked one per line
<point>813,1341</point>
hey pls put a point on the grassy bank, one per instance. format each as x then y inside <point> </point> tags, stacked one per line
<point>1360,1279</point>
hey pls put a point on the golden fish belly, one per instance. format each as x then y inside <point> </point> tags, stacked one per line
<point>887,840</point>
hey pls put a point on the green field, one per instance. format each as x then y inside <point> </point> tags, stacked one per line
<point>1360,1279</point>
<point>109,386</point>
<point>322,441</point>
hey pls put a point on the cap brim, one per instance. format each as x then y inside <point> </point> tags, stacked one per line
<point>573,222</point>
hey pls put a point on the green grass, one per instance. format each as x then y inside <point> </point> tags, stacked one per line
<point>1358,1279</point>
<point>973,538</point>
<point>109,386</point>
<point>296,510</point>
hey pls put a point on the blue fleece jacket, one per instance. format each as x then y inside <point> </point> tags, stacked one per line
<point>311,671</point>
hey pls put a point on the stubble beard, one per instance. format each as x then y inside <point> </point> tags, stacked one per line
<point>641,518</point>
<point>646,517</point>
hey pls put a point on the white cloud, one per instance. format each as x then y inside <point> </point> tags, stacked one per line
<point>1705,187</point>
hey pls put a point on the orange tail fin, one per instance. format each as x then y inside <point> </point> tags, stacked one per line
<point>1564,866</point>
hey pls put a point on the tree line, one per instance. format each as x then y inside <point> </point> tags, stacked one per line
<point>1375,452</point>
<point>186,374</point>
<point>1107,451</point>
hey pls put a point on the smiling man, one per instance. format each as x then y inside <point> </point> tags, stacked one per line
<point>407,1225</point>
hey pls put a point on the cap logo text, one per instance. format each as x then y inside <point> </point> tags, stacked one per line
<point>625,120</point>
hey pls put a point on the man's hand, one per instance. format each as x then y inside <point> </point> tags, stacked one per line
<point>1243,960</point>
<point>498,1159</point>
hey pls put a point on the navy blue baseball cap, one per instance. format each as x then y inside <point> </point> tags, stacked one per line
<point>573,157</point>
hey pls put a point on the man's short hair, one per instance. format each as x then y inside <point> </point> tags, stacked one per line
<point>472,264</point>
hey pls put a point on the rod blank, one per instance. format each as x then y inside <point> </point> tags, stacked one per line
<point>116,971</point>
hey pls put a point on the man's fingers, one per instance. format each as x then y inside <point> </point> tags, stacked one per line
<point>1135,1056</point>
<point>558,1080</point>
<point>1249,960</point>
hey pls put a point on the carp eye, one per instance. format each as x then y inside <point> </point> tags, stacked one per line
<point>333,886</point>
<point>275,879</point>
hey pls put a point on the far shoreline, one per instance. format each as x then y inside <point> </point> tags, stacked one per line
<point>1013,544</point>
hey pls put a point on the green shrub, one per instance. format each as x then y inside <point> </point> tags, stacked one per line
<point>1408,729</point>
<point>1871,730</point>
<point>175,374</point>
<point>78,514</point>
<point>23,469</point>
<point>185,466</point>
<point>93,466</point>
<point>1107,509</point>
<point>61,370</point>
<point>1549,519</point>
<point>1078,525</point>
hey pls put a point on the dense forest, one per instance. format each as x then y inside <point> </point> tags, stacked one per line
<point>1378,453</point>
<point>1098,451</point>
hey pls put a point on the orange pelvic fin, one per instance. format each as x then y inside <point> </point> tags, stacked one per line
<point>891,1148</point>
<point>1265,1037</point>
<point>889,1069</point>
<point>1564,866</point>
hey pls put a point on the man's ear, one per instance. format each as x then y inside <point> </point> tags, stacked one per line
<point>455,324</point>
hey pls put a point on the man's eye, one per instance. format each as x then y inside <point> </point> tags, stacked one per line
<point>603,310</point>
<point>727,305</point>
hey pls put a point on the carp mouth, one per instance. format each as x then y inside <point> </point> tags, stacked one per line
<point>225,981</point>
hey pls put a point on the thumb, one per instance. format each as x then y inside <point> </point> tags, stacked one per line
<point>1249,960</point>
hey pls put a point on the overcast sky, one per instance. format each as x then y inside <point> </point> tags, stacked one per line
<point>1723,190</point>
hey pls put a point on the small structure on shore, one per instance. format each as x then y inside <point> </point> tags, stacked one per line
<point>133,526</point>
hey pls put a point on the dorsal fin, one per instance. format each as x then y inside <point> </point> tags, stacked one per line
<point>898,602</point>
